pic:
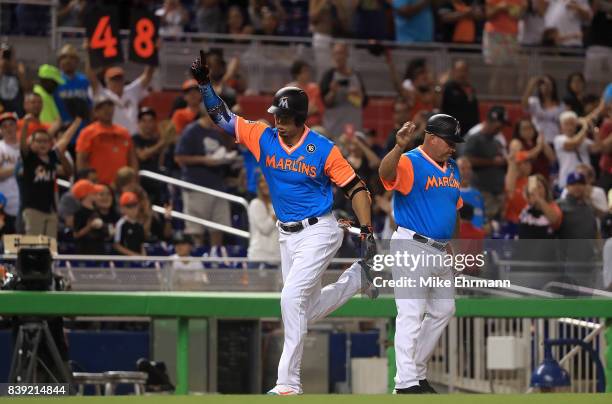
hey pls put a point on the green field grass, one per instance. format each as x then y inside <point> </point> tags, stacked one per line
<point>338,399</point>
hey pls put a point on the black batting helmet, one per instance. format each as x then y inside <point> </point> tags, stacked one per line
<point>291,101</point>
<point>446,127</point>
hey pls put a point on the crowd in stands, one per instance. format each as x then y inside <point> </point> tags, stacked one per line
<point>544,174</point>
<point>500,25</point>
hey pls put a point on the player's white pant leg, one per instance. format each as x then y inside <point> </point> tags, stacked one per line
<point>439,312</point>
<point>284,241</point>
<point>409,316</point>
<point>311,251</point>
<point>336,294</point>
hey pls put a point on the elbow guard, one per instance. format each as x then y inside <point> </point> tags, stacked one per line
<point>355,186</point>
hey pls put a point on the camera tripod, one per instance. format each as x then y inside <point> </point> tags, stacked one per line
<point>32,337</point>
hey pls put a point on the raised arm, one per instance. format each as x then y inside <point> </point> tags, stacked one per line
<point>388,166</point>
<point>216,107</point>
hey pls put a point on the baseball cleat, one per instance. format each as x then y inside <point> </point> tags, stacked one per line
<point>281,390</point>
<point>427,389</point>
<point>367,280</point>
<point>410,390</point>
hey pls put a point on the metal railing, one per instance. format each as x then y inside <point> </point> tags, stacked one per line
<point>184,216</point>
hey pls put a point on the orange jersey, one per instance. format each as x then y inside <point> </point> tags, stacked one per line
<point>108,149</point>
<point>299,176</point>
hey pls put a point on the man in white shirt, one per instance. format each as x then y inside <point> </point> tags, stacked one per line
<point>125,97</point>
<point>9,154</point>
<point>568,17</point>
<point>573,147</point>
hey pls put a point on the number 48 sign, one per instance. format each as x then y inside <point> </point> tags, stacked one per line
<point>104,43</point>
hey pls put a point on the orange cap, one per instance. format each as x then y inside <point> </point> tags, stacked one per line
<point>522,156</point>
<point>128,198</point>
<point>113,72</point>
<point>189,84</point>
<point>82,188</point>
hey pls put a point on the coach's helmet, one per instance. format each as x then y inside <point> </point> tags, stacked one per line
<point>446,127</point>
<point>291,101</point>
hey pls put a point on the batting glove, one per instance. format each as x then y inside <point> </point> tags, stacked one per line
<point>368,244</point>
<point>199,70</point>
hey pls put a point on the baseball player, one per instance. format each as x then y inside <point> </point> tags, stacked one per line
<point>426,184</point>
<point>299,166</point>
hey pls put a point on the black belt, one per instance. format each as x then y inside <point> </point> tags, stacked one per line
<point>435,244</point>
<point>296,227</point>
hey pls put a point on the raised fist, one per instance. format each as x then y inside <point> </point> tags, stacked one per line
<point>199,70</point>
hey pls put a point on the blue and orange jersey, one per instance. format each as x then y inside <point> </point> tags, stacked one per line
<point>426,195</point>
<point>300,177</point>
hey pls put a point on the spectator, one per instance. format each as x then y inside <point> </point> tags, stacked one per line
<point>68,204</point>
<point>107,209</point>
<point>599,41</point>
<point>343,93</point>
<point>486,155</point>
<point>531,25</point>
<point>579,223</point>
<point>184,116</point>
<point>401,115</point>
<point>413,20</point>
<point>499,40</point>
<point>129,234</point>
<point>270,23</point>
<point>149,147</point>
<point>33,105</point>
<point>12,80</point>
<point>39,170</point>
<point>497,118</point>
<point>371,20</point>
<point>362,158</point>
<point>89,230</point>
<point>105,146</point>
<point>594,195</point>
<point>459,97</point>
<point>519,169</point>
<point>461,20</point>
<point>258,9</point>
<point>545,107</point>
<point>204,161</point>
<point>573,146</point>
<point>263,244</point>
<point>526,138</point>
<point>49,79</point>
<point>72,97</point>
<point>126,180</point>
<point>418,87</point>
<point>567,18</point>
<point>9,155</point>
<point>209,17</point>
<point>471,196</point>
<point>605,162</point>
<point>70,13</point>
<point>575,88</point>
<point>183,247</point>
<point>236,22</point>
<point>126,98</point>
<point>542,216</point>
<point>220,76</point>
<point>173,17</point>
<point>328,20</point>
<point>156,227</point>
<point>301,72</point>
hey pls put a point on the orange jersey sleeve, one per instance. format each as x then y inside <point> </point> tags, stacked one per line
<point>248,133</point>
<point>404,177</point>
<point>338,169</point>
<point>459,203</point>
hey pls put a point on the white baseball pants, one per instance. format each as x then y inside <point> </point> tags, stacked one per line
<point>422,312</point>
<point>304,257</point>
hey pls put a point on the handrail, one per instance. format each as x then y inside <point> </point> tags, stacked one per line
<point>578,288</point>
<point>184,216</point>
<point>198,188</point>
